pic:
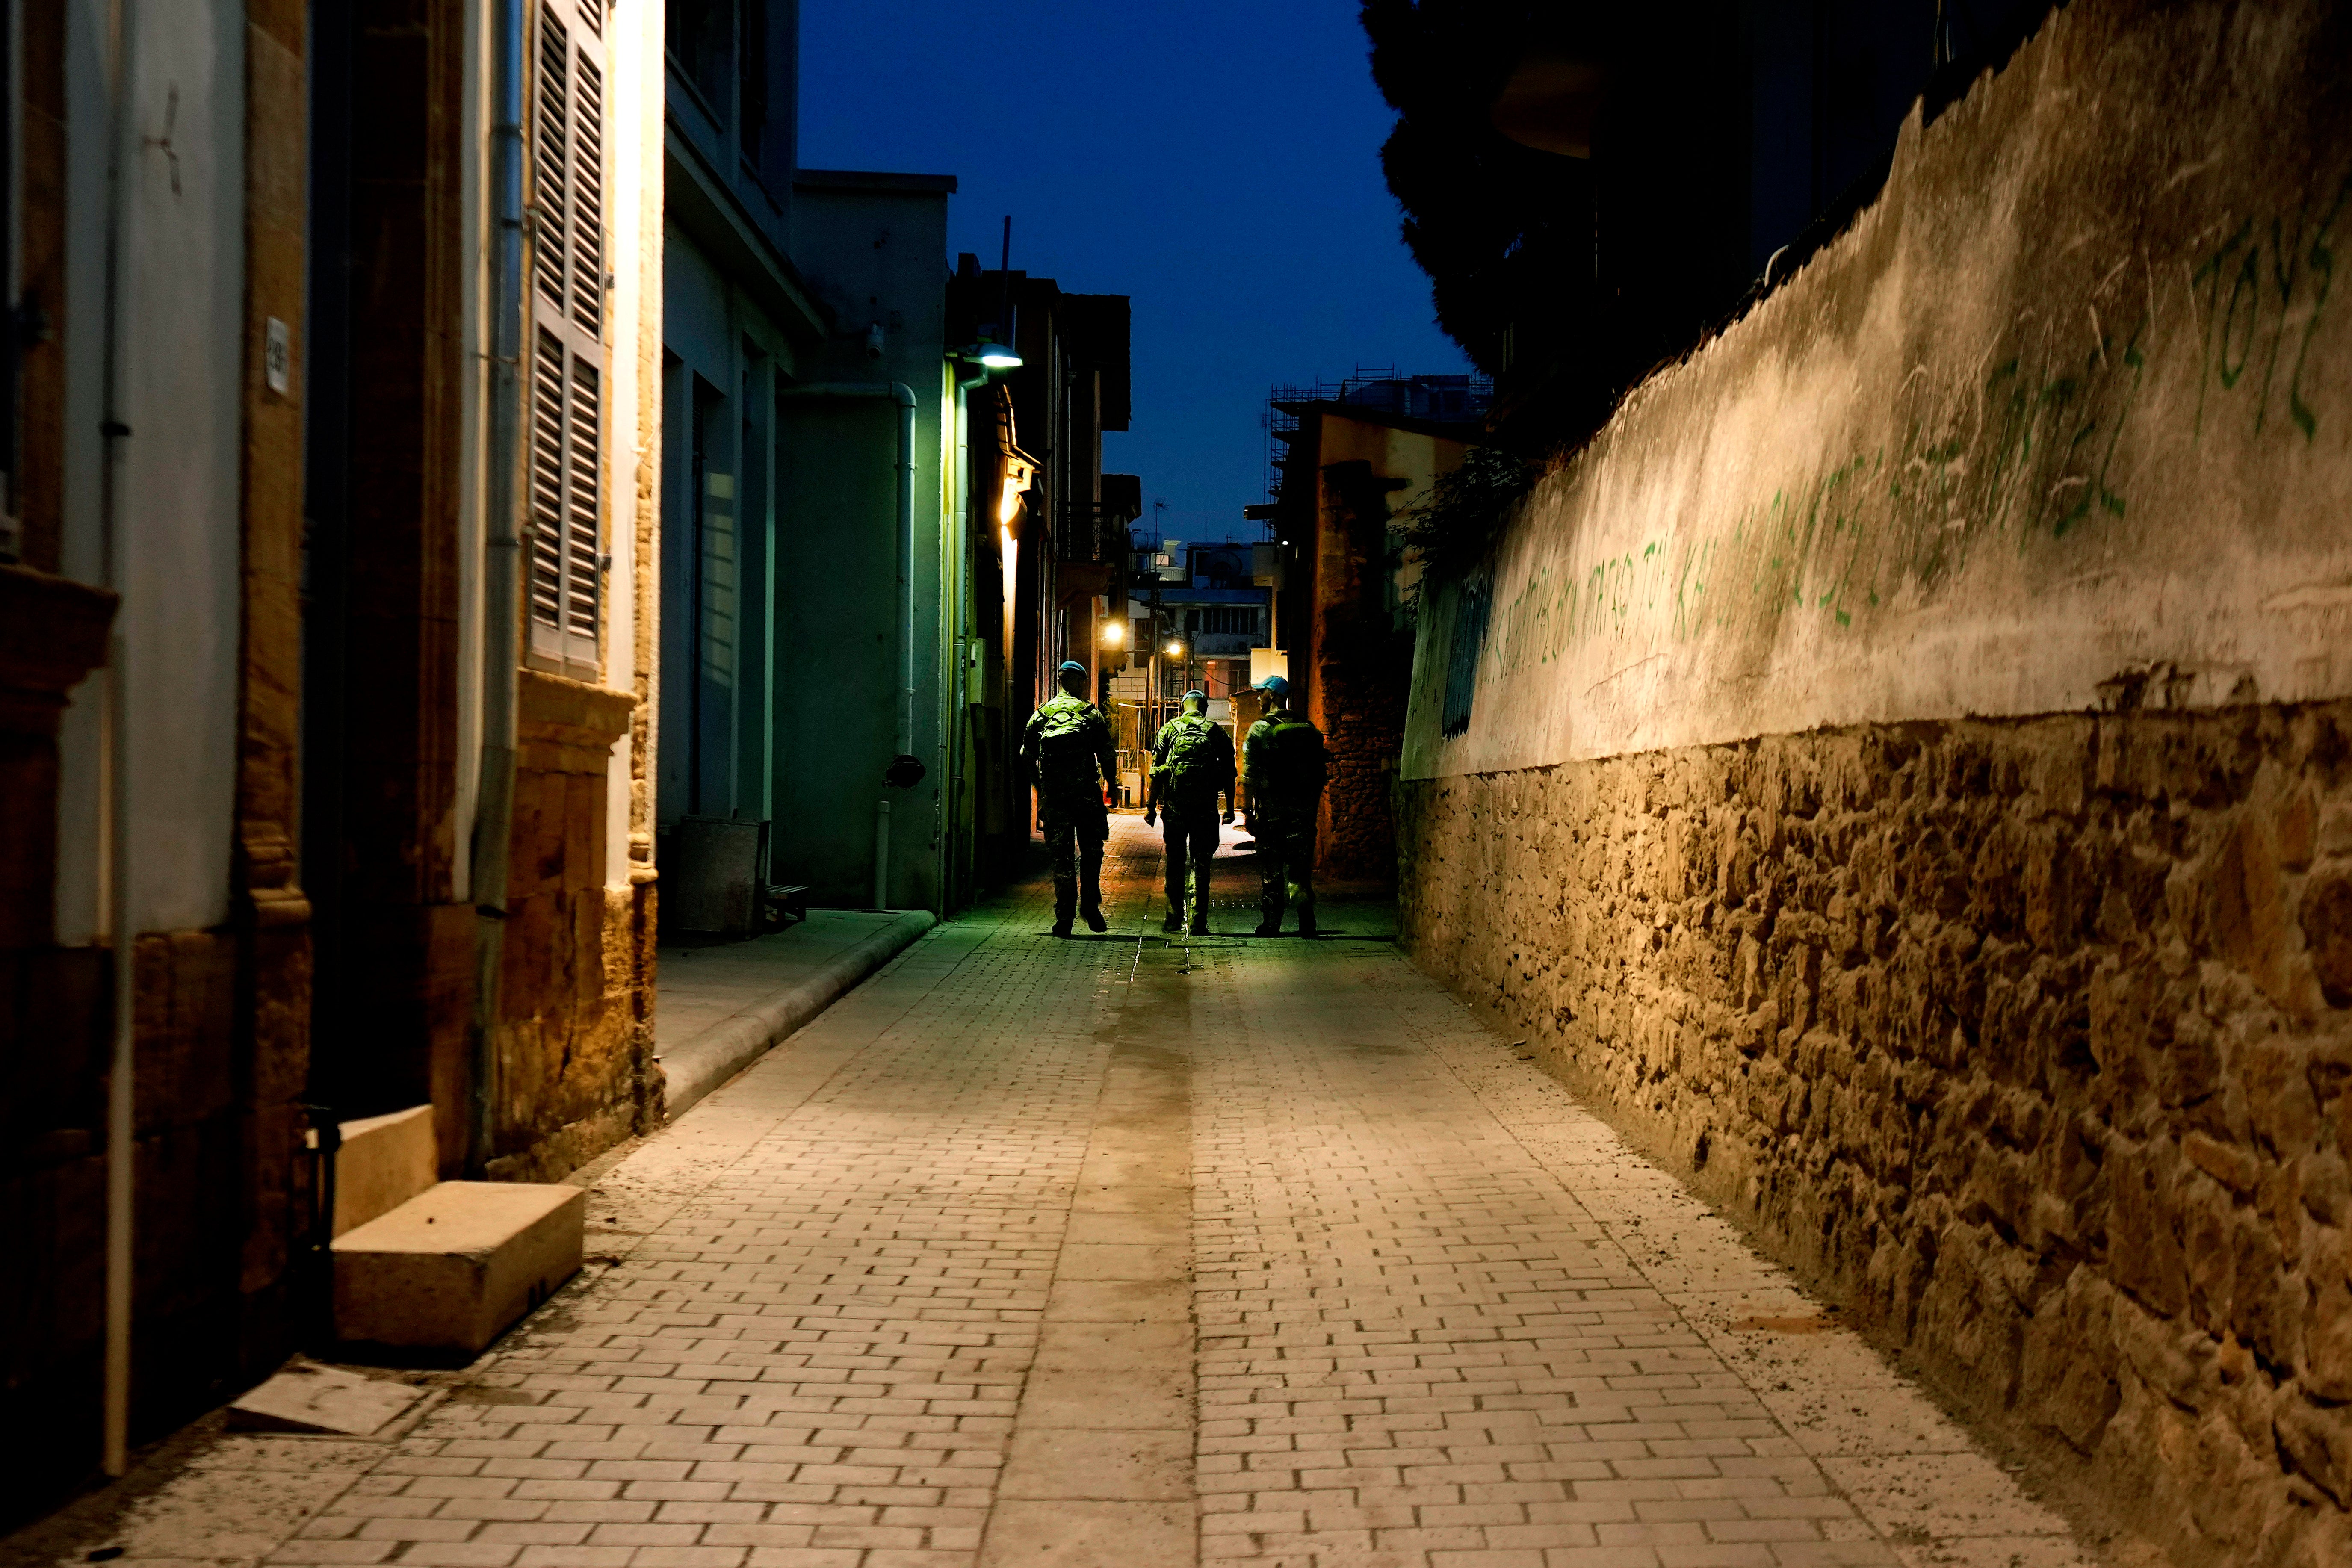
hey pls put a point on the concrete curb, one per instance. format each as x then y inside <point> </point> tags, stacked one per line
<point>692,1068</point>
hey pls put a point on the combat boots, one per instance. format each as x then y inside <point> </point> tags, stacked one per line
<point>1199,926</point>
<point>1174,921</point>
<point>1066,904</point>
<point>1090,892</point>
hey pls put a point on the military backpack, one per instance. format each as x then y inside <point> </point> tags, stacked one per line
<point>1290,764</point>
<point>1065,743</point>
<point>1189,769</point>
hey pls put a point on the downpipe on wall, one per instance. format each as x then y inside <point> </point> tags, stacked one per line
<point>501,582</point>
<point>955,726</point>
<point>114,841</point>
<point>905,770</point>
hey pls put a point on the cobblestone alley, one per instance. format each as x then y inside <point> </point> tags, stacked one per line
<point>1132,1250</point>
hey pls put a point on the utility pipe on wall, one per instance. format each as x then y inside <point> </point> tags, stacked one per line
<point>904,770</point>
<point>501,577</point>
<point>114,840</point>
<point>958,632</point>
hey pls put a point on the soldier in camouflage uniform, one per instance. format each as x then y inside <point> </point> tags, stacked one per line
<point>1191,764</point>
<point>1068,753</point>
<point>1286,772</point>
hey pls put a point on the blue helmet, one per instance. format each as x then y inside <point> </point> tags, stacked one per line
<point>1196,696</point>
<point>1071,666</point>
<point>1274,685</point>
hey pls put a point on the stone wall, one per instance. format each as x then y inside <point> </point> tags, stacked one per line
<point>575,1073</point>
<point>1363,704</point>
<point>1901,770</point>
<point>1358,660</point>
<point>2028,1040</point>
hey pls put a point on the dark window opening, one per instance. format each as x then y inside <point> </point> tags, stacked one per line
<point>702,47</point>
<point>752,80</point>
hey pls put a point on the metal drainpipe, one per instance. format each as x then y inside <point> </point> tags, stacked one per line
<point>904,396</point>
<point>121,1129</point>
<point>959,701</point>
<point>502,580</point>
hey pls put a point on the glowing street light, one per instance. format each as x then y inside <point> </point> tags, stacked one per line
<point>992,356</point>
<point>1113,633</point>
<point>1175,650</point>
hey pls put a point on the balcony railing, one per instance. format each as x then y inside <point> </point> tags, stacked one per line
<point>1090,534</point>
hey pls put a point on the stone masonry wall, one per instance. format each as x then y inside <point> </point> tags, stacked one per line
<point>575,1052</point>
<point>1901,768</point>
<point>1363,732</point>
<point>1362,670</point>
<point>2030,1041</point>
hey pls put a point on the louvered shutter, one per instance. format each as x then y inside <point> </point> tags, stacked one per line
<point>567,332</point>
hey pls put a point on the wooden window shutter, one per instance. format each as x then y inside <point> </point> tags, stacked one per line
<point>568,362</point>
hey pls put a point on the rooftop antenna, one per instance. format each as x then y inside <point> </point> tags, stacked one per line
<point>1158,506</point>
<point>1005,275</point>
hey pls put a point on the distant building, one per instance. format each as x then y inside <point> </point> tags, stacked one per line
<point>805,362</point>
<point>1043,548</point>
<point>1206,600</point>
<point>1351,459</point>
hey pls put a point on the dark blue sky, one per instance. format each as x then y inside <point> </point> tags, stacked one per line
<point>1217,162</point>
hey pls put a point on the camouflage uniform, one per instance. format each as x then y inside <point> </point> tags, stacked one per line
<point>1287,772</point>
<point>1067,742</point>
<point>1188,806</point>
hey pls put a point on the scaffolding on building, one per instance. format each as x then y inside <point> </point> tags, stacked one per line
<point>1378,387</point>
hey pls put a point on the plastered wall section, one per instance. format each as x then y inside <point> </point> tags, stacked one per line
<point>2066,415</point>
<point>178,494</point>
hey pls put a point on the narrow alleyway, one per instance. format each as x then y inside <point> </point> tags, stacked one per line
<point>1139,1251</point>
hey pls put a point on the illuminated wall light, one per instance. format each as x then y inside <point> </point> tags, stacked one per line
<point>1012,549</point>
<point>1018,477</point>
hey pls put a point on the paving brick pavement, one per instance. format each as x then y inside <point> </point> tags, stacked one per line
<point>1137,1252</point>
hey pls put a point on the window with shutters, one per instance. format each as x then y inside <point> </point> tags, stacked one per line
<point>566,373</point>
<point>1224,620</point>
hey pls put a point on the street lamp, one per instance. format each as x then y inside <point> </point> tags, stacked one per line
<point>991,356</point>
<point>1176,650</point>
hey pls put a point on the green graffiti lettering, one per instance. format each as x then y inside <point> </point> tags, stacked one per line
<point>2209,275</point>
<point>2321,260</point>
<point>2245,289</point>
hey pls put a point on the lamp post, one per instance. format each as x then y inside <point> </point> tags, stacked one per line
<point>1110,638</point>
<point>1184,667</point>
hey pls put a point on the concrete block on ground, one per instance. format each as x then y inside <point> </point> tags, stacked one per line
<point>449,1269</point>
<point>383,1162</point>
<point>307,1397</point>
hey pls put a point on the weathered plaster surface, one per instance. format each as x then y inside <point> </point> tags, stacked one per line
<point>2067,414</point>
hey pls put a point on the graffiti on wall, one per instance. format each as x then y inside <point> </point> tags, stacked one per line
<point>2025,456</point>
<point>2262,291</point>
